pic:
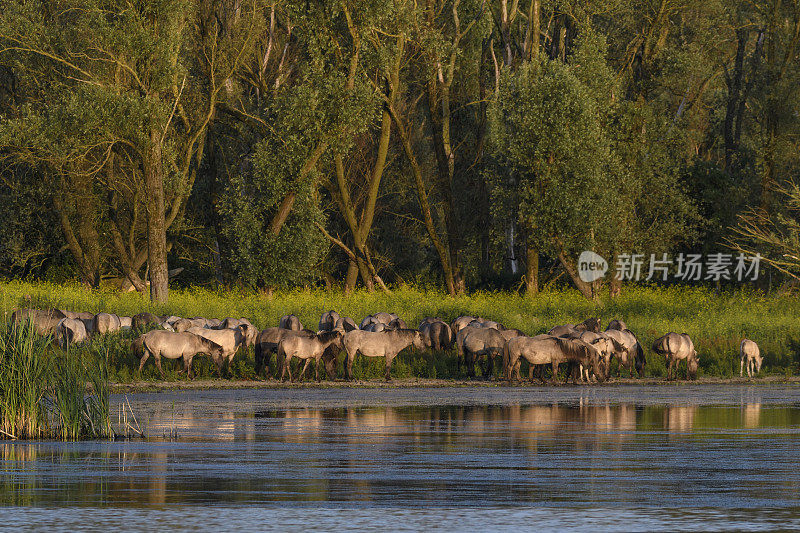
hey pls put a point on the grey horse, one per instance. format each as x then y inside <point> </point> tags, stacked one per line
<point>751,358</point>
<point>266,343</point>
<point>290,322</point>
<point>553,351</point>
<point>172,345</point>
<point>386,344</point>
<point>309,348</point>
<point>677,347</point>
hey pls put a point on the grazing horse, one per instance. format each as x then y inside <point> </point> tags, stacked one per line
<point>590,324</point>
<point>106,323</point>
<point>70,331</point>
<point>509,334</point>
<point>290,322</point>
<point>309,348</point>
<point>461,322</point>
<point>230,340</point>
<point>397,323</point>
<point>549,350</point>
<point>143,320</point>
<point>43,321</point>
<point>228,323</point>
<point>345,324</point>
<point>476,342</point>
<point>328,320</point>
<point>675,347</point>
<point>266,343</point>
<point>185,324</point>
<point>605,344</point>
<point>437,334</point>
<point>629,352</point>
<point>618,325</point>
<point>751,358</point>
<point>386,344</point>
<point>172,345</point>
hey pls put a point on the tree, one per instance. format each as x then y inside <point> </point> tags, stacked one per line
<point>109,82</point>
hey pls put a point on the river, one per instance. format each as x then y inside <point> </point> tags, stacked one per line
<point>625,457</point>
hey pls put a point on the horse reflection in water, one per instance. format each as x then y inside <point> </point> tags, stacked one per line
<point>751,415</point>
<point>679,418</point>
<point>467,425</point>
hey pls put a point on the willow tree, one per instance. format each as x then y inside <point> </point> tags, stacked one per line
<point>112,92</point>
<point>587,175</point>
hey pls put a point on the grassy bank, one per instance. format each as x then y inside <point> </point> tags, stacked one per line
<point>717,321</point>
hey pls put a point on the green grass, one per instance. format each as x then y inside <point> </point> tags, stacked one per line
<point>716,320</point>
<point>48,393</point>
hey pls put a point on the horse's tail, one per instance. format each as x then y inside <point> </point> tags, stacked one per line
<point>506,361</point>
<point>640,353</point>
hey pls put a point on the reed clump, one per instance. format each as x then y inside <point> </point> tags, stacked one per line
<point>48,393</point>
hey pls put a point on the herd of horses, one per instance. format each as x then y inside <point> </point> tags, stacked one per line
<point>586,348</point>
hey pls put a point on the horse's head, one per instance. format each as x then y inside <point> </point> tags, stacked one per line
<point>590,324</point>
<point>759,360</point>
<point>692,364</point>
<point>214,350</point>
<point>640,360</point>
<point>597,362</point>
<point>250,332</point>
<point>418,341</point>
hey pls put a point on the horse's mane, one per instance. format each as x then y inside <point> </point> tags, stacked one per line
<point>327,336</point>
<point>207,343</point>
<point>617,346</point>
<point>403,332</point>
<point>576,348</point>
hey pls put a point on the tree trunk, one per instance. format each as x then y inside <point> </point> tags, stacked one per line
<point>156,220</point>
<point>72,242</point>
<point>352,277</point>
<point>532,271</point>
<point>585,288</point>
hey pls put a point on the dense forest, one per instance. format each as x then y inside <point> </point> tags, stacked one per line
<point>465,144</point>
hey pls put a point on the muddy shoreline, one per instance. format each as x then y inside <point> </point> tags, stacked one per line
<point>410,383</point>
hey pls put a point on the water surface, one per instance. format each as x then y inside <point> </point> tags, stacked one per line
<point>702,457</point>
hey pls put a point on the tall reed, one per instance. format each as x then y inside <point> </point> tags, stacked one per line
<point>48,393</point>
<point>24,372</point>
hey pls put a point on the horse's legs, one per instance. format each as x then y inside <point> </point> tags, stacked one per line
<point>145,356</point>
<point>287,367</point>
<point>157,357</point>
<point>488,369</point>
<point>388,358</point>
<point>316,367</point>
<point>348,365</point>
<point>303,372</point>
<point>469,362</point>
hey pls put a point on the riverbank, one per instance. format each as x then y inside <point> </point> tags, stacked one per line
<point>717,321</point>
<point>423,383</point>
